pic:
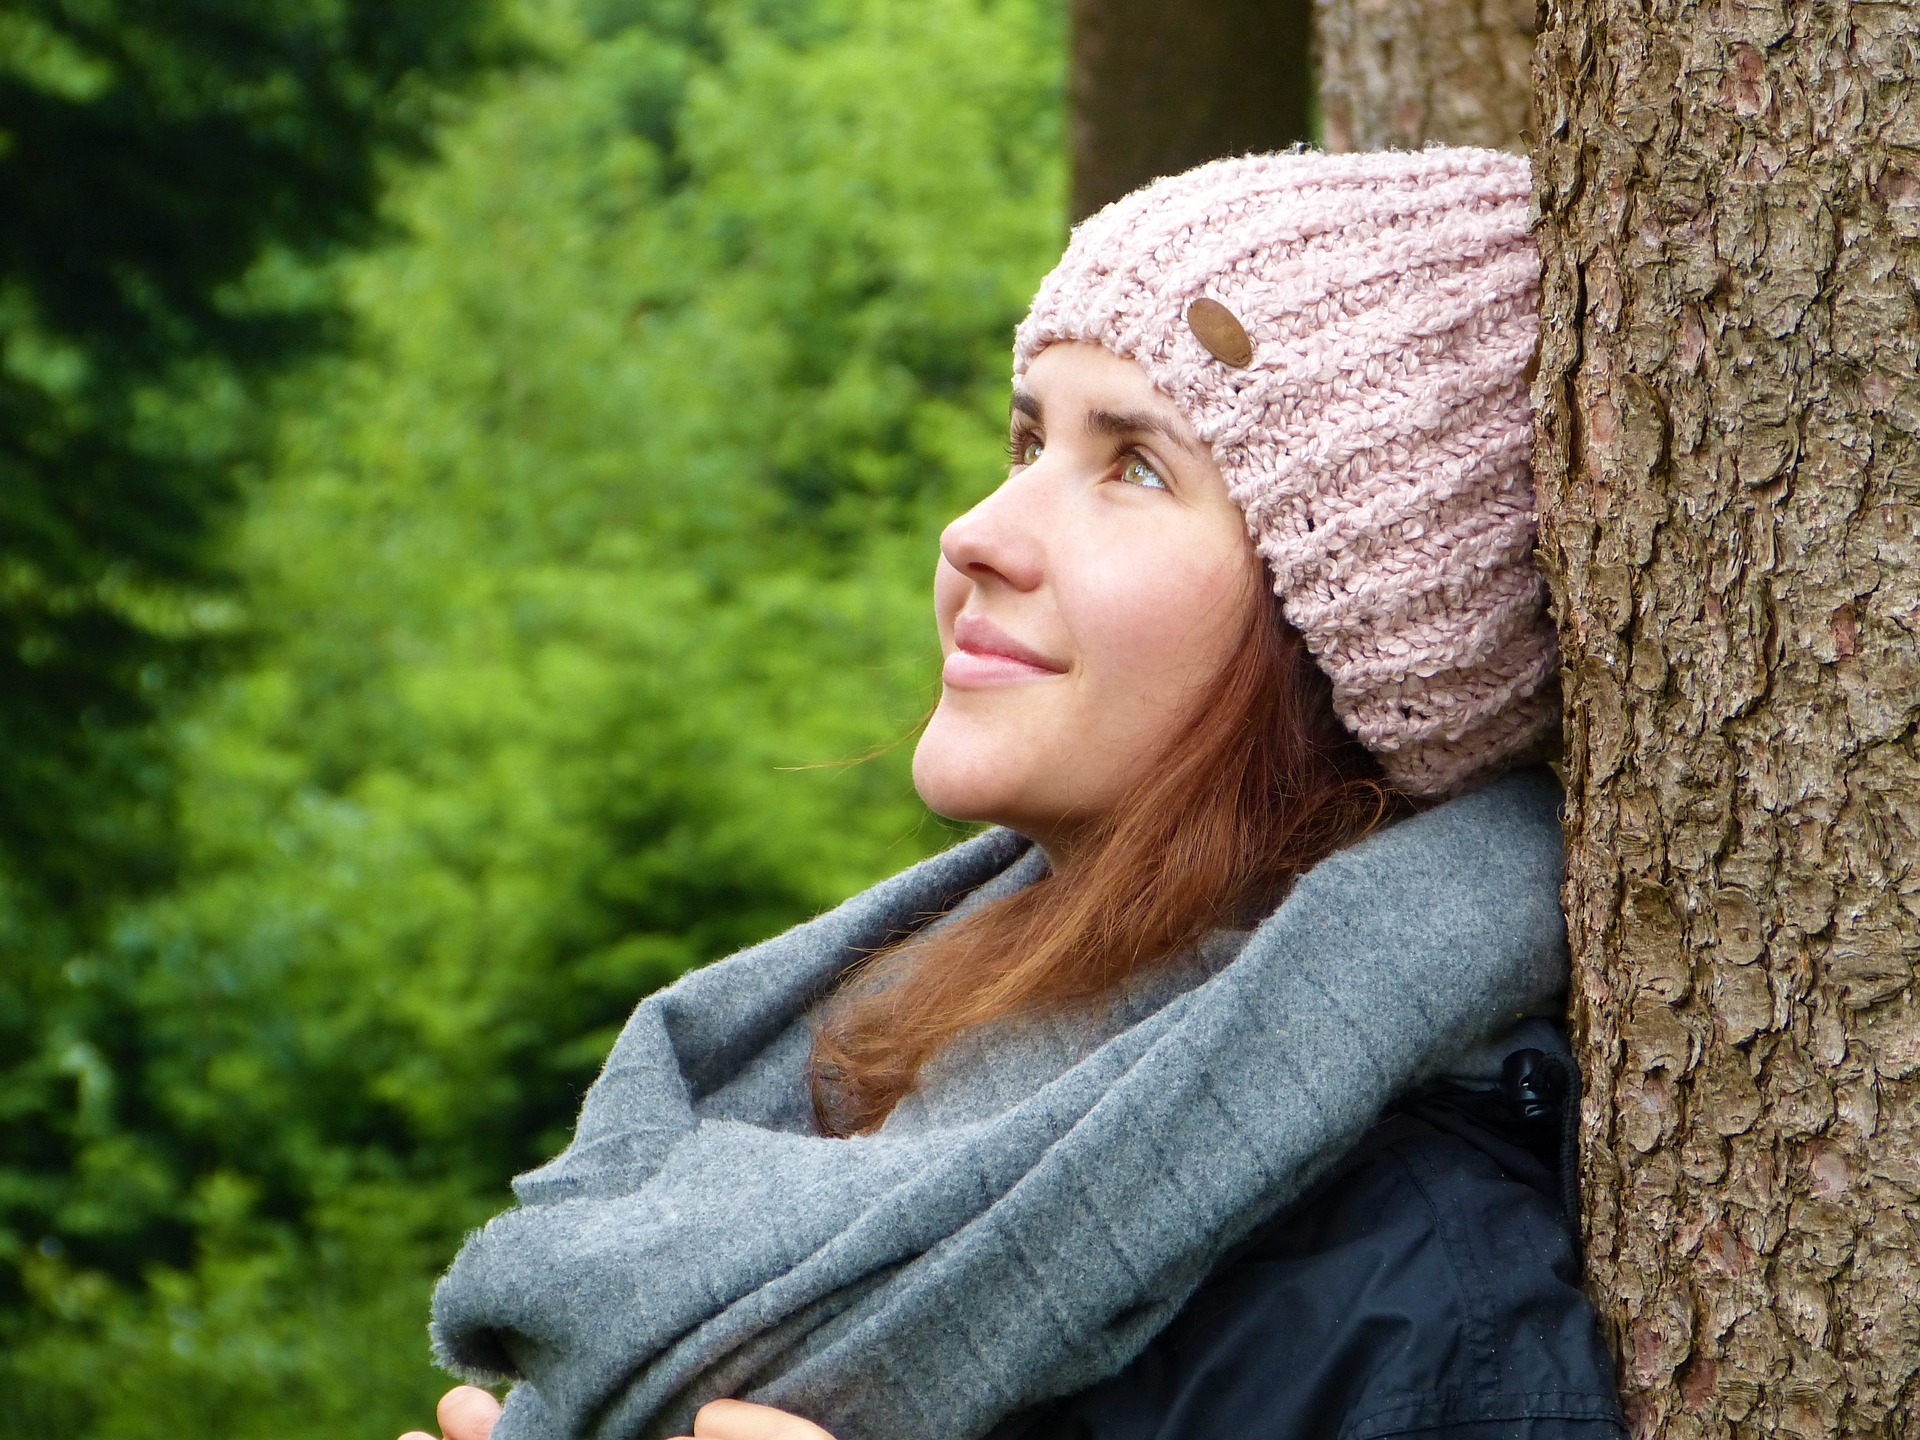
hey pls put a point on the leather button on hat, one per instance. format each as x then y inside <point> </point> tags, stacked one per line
<point>1215,327</point>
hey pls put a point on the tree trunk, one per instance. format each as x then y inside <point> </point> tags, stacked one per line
<point>1401,73</point>
<point>1730,491</point>
<point>1156,88</point>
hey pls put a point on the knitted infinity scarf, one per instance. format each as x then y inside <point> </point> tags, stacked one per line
<point>994,1244</point>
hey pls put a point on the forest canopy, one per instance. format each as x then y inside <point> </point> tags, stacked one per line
<point>585,546</point>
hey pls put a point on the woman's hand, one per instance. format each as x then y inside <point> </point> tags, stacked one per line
<point>737,1420</point>
<point>466,1413</point>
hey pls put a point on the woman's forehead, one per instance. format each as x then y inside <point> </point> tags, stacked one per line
<point>1084,374</point>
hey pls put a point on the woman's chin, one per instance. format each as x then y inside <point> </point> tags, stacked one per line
<point>954,799</point>
<point>969,782</point>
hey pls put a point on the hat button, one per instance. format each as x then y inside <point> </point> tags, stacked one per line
<point>1215,327</point>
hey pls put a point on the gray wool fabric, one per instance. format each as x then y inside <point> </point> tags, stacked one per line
<point>1041,1207</point>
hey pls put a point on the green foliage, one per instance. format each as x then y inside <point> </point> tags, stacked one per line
<point>167,174</point>
<point>616,525</point>
<point>170,177</point>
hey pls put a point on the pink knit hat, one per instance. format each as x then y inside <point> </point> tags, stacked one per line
<point>1364,392</point>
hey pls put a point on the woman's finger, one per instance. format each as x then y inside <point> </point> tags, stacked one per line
<point>467,1413</point>
<point>737,1420</point>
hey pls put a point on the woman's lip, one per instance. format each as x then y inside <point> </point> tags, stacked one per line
<point>984,654</point>
<point>968,670</point>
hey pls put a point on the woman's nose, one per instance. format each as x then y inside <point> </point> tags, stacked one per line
<point>1001,537</point>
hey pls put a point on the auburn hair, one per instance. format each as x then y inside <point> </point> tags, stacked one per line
<point>1260,785</point>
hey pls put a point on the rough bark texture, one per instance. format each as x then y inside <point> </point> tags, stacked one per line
<point>1730,483</point>
<point>1400,73</point>
<point>1156,88</point>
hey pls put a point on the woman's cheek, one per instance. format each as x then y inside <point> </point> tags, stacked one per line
<point>1163,651</point>
<point>1159,631</point>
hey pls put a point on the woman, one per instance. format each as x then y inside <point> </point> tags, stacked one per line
<point>1211,1094</point>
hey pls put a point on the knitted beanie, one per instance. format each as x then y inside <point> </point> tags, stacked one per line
<point>1351,336</point>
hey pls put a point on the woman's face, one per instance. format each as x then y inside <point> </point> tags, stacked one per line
<point>1084,606</point>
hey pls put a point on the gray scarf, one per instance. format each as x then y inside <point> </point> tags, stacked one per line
<point>1040,1208</point>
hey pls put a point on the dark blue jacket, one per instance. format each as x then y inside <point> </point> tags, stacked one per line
<point>1426,1288</point>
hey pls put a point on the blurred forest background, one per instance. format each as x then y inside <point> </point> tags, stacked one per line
<point>463,468</point>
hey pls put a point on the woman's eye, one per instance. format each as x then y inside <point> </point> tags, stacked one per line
<point>1138,471</point>
<point>1025,449</point>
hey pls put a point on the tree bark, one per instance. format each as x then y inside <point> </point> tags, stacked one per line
<point>1401,73</point>
<point>1730,491</point>
<point>1156,88</point>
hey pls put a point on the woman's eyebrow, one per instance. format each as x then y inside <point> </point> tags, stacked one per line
<point>1115,424</point>
<point>1119,424</point>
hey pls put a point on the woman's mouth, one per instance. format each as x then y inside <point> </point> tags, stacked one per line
<point>983,654</point>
